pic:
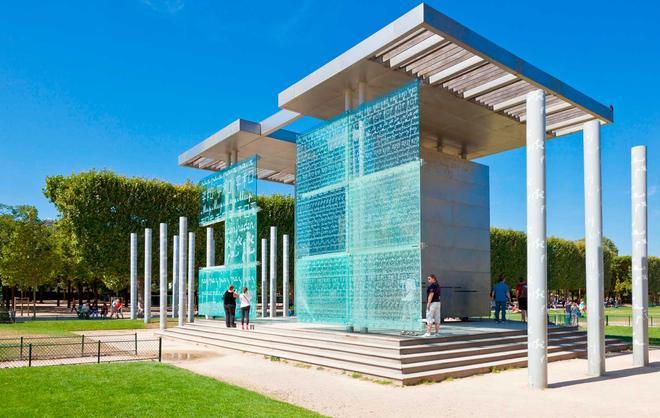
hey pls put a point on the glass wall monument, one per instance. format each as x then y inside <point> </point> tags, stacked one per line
<point>230,196</point>
<point>358,216</point>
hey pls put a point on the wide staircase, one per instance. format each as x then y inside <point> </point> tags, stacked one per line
<point>406,360</point>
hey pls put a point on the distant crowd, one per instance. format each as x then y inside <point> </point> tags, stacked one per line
<point>92,310</point>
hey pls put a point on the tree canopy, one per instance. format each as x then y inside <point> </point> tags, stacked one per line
<point>99,209</point>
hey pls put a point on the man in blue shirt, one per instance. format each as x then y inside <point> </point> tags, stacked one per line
<point>501,295</point>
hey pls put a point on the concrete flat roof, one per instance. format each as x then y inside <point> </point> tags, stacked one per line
<point>473,91</point>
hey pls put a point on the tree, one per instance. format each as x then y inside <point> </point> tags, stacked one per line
<point>27,256</point>
<point>621,275</point>
<point>101,208</point>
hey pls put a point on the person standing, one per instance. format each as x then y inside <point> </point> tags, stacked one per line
<point>229,300</point>
<point>521,295</point>
<point>433,313</point>
<point>245,299</point>
<point>501,295</point>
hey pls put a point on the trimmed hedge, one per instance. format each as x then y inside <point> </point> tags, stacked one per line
<point>566,265</point>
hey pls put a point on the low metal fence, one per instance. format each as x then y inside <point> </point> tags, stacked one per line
<point>48,351</point>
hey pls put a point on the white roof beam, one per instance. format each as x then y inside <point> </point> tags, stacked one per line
<point>417,51</point>
<point>278,120</point>
<point>569,122</point>
<point>503,81</point>
<point>454,70</point>
<point>551,110</point>
<point>507,104</point>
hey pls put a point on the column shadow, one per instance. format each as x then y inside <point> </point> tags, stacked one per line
<point>653,367</point>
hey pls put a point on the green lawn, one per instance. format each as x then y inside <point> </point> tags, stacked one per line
<point>143,389</point>
<point>625,333</point>
<point>66,327</point>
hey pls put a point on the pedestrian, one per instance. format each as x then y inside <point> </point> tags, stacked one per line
<point>104,310</point>
<point>433,313</point>
<point>521,295</point>
<point>501,295</point>
<point>245,299</point>
<point>119,307</point>
<point>567,312</point>
<point>229,300</point>
<point>575,312</point>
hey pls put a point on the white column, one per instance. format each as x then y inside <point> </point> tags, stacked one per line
<point>285,274</point>
<point>273,271</point>
<point>175,276</point>
<point>362,92</point>
<point>162,275</point>
<point>264,277</point>
<point>210,248</point>
<point>537,332</point>
<point>134,284</point>
<point>191,277</point>
<point>348,99</point>
<point>593,227</point>
<point>183,242</point>
<point>147,275</point>
<point>640,278</point>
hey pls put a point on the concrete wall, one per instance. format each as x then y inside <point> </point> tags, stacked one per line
<point>455,226</point>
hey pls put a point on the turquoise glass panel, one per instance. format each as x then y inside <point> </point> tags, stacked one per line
<point>238,187</point>
<point>358,258</point>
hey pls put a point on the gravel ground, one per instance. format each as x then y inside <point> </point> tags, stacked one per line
<point>625,390</point>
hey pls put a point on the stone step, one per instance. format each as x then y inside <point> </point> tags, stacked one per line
<point>381,367</point>
<point>247,342</point>
<point>378,341</point>
<point>356,346</point>
<point>251,338</point>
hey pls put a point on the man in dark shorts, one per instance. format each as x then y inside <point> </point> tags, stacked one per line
<point>521,294</point>
<point>433,315</point>
<point>229,300</point>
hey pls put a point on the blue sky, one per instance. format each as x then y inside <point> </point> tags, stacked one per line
<point>128,85</point>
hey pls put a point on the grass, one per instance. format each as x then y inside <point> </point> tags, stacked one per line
<point>130,390</point>
<point>67,327</point>
<point>625,333</point>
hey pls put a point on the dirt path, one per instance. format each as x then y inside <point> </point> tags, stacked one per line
<point>625,391</point>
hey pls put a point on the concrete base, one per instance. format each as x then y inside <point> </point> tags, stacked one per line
<point>459,350</point>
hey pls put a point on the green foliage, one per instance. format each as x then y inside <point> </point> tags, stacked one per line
<point>27,250</point>
<point>100,208</point>
<point>508,254</point>
<point>566,259</point>
<point>621,275</point>
<point>566,268</point>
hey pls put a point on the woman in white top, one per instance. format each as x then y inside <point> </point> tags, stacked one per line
<point>245,298</point>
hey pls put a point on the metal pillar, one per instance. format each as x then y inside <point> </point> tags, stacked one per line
<point>183,242</point>
<point>229,159</point>
<point>362,92</point>
<point>273,271</point>
<point>162,275</point>
<point>235,159</point>
<point>264,277</point>
<point>285,274</point>
<point>348,99</point>
<point>191,277</point>
<point>537,332</point>
<point>210,248</point>
<point>147,275</point>
<point>640,278</point>
<point>175,276</point>
<point>593,227</point>
<point>134,284</point>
